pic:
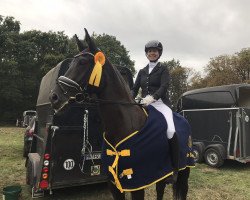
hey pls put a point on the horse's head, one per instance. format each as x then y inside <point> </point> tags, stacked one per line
<point>84,74</point>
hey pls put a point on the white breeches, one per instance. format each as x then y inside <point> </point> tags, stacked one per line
<point>168,114</point>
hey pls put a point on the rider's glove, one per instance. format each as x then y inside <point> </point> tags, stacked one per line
<point>148,100</point>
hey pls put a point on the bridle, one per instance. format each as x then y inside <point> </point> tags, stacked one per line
<point>82,96</point>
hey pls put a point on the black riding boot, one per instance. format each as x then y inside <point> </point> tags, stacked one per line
<point>175,154</point>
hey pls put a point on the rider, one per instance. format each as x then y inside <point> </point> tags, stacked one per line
<point>154,82</point>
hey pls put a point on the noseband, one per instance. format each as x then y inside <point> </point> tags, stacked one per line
<point>66,84</point>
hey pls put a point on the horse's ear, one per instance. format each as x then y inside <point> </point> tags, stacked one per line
<point>80,45</point>
<point>90,42</point>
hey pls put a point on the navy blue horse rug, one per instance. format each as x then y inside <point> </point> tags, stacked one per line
<point>143,158</point>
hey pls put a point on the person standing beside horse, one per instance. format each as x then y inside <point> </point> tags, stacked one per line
<point>154,83</point>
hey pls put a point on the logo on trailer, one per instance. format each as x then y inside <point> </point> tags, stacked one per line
<point>95,170</point>
<point>69,164</point>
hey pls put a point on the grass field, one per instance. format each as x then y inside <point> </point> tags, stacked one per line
<point>231,181</point>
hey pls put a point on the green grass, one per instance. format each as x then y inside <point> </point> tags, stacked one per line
<point>231,181</point>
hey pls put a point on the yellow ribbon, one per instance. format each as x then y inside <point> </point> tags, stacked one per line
<point>117,182</point>
<point>125,152</point>
<point>95,77</point>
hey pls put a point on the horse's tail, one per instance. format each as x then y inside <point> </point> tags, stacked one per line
<point>180,187</point>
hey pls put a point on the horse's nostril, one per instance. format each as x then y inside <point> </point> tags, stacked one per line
<point>54,98</point>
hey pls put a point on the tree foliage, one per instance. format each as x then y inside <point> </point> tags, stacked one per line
<point>10,91</point>
<point>26,57</point>
<point>178,80</point>
<point>241,61</point>
<point>196,81</point>
<point>114,50</point>
<point>224,70</point>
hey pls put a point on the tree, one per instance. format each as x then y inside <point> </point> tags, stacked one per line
<point>11,95</point>
<point>242,64</point>
<point>114,50</point>
<point>225,70</point>
<point>26,57</point>
<point>196,81</point>
<point>221,71</point>
<point>48,48</point>
<point>178,82</point>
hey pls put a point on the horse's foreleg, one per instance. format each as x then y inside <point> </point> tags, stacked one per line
<point>117,195</point>
<point>160,187</point>
<point>138,195</point>
<point>180,188</point>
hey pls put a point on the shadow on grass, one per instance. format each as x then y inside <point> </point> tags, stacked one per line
<point>91,192</point>
<point>235,165</point>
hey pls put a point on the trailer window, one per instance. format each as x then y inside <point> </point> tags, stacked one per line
<point>206,100</point>
<point>244,97</point>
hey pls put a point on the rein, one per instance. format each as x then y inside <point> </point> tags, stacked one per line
<point>105,101</point>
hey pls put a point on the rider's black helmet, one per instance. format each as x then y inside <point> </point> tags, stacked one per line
<point>154,44</point>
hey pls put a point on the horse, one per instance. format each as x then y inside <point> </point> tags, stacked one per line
<point>92,78</point>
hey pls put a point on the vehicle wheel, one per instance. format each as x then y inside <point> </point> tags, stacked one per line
<point>213,158</point>
<point>197,155</point>
<point>198,150</point>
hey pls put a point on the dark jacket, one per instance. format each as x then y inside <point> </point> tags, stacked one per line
<point>156,83</point>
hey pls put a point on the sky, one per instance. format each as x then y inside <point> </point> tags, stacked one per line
<point>191,31</point>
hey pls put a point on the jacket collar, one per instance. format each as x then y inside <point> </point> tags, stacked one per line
<point>156,68</point>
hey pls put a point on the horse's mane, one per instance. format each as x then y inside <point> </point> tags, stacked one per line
<point>119,73</point>
<point>126,74</point>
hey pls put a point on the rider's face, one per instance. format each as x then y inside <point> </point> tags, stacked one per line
<point>152,54</point>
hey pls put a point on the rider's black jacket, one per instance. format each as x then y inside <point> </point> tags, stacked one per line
<point>156,83</point>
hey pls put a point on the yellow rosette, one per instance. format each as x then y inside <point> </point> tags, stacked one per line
<point>95,77</point>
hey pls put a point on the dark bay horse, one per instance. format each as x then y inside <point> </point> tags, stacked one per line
<point>92,78</point>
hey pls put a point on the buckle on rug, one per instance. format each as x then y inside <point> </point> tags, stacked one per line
<point>126,172</point>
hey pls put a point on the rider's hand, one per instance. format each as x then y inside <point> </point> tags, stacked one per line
<point>138,99</point>
<point>148,100</point>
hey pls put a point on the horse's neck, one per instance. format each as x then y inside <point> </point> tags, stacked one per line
<point>120,120</point>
